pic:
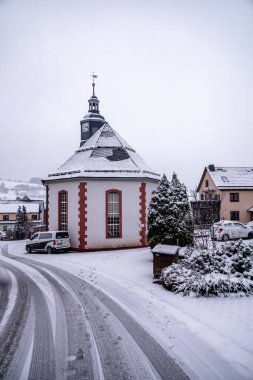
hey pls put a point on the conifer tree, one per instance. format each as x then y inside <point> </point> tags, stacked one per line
<point>25,223</point>
<point>169,216</point>
<point>18,224</point>
<point>182,212</point>
<point>21,227</point>
<point>158,210</point>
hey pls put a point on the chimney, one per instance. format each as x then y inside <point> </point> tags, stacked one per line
<point>211,167</point>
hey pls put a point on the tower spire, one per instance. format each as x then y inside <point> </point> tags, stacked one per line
<point>93,82</point>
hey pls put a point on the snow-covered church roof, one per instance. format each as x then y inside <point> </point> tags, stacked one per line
<point>105,155</point>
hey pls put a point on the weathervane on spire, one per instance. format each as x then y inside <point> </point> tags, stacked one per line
<point>93,81</point>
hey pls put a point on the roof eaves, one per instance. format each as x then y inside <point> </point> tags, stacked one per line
<point>201,180</point>
<point>235,187</point>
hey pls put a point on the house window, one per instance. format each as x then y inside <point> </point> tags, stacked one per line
<point>113,214</point>
<point>234,215</point>
<point>202,196</point>
<point>63,210</point>
<point>207,183</point>
<point>234,197</point>
<point>4,228</point>
<point>5,217</point>
<point>34,217</point>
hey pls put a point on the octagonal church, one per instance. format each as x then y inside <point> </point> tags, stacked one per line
<point>102,192</point>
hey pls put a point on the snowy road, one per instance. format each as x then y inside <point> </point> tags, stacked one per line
<point>63,327</point>
<point>99,315</point>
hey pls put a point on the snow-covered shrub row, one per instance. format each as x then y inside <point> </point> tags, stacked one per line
<point>220,271</point>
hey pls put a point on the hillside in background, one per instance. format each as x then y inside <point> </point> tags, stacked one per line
<point>11,190</point>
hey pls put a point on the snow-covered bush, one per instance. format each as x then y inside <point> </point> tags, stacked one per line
<point>220,271</point>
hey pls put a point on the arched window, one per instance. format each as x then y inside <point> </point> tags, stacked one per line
<point>113,214</point>
<point>63,210</point>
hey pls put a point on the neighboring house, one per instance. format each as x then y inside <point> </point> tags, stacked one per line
<point>9,210</point>
<point>229,187</point>
<point>101,194</point>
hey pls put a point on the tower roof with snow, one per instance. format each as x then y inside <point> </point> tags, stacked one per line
<point>105,155</point>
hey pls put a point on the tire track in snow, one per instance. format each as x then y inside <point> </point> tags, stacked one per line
<point>42,363</point>
<point>5,288</point>
<point>13,328</point>
<point>74,359</point>
<point>114,366</point>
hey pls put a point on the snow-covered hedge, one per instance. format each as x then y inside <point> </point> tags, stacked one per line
<point>220,271</point>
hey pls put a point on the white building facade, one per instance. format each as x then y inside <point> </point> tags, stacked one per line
<point>101,194</point>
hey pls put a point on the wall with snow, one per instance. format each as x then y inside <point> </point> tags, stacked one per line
<point>73,222</point>
<point>96,211</point>
<point>245,199</point>
<point>245,202</point>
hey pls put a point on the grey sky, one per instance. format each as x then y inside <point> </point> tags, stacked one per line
<point>175,80</point>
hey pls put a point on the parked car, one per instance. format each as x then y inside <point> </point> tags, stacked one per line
<point>2,235</point>
<point>49,241</point>
<point>227,229</point>
<point>250,224</point>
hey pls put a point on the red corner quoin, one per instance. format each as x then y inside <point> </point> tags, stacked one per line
<point>142,204</point>
<point>82,215</point>
<point>47,208</point>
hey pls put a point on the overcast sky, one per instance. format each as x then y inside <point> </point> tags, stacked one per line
<point>175,80</point>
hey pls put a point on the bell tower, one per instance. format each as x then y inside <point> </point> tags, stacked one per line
<point>92,121</point>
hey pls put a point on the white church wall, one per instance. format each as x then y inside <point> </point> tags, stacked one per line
<point>73,221</point>
<point>96,214</point>
<point>96,211</point>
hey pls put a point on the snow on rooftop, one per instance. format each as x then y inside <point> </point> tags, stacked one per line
<point>7,208</point>
<point>166,249</point>
<point>237,177</point>
<point>11,189</point>
<point>105,154</point>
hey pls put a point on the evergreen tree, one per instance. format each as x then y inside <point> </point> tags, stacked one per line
<point>181,212</point>
<point>21,227</point>
<point>18,224</point>
<point>158,210</point>
<point>25,223</point>
<point>169,216</point>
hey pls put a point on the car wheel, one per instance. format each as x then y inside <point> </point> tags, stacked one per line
<point>250,236</point>
<point>66,250</point>
<point>28,249</point>
<point>225,237</point>
<point>49,250</point>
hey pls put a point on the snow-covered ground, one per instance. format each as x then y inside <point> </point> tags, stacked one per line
<point>210,337</point>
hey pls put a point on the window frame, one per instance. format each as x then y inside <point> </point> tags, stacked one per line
<point>60,223</point>
<point>233,218</point>
<point>234,197</point>
<point>119,192</point>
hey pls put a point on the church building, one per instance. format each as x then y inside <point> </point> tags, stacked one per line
<point>102,192</point>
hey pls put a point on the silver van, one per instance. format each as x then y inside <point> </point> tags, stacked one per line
<point>49,241</point>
